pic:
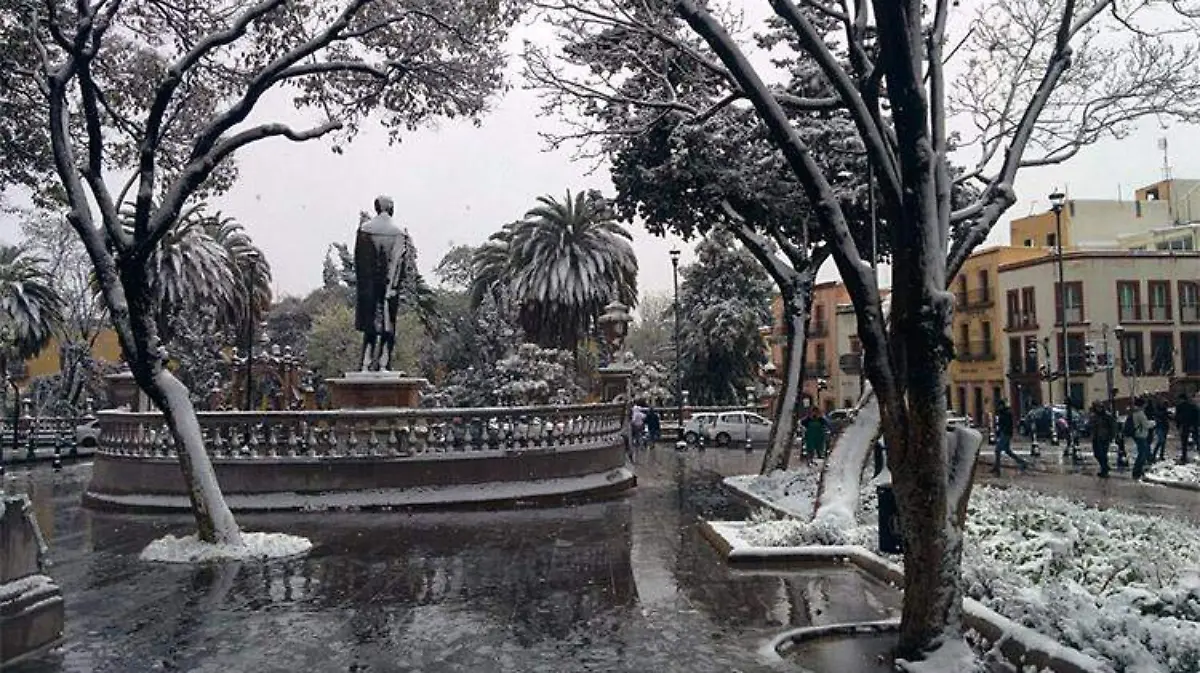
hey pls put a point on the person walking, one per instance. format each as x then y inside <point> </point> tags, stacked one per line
<point>1160,414</point>
<point>1004,433</point>
<point>1187,418</point>
<point>1104,428</point>
<point>1141,438</point>
<point>816,432</point>
<point>653,425</point>
<point>637,426</point>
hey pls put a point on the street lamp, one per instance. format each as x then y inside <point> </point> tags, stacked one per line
<point>678,358</point>
<point>1057,199</point>
<point>248,277</point>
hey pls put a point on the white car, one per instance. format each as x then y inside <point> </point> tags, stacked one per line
<point>87,434</point>
<point>735,427</point>
<point>693,430</point>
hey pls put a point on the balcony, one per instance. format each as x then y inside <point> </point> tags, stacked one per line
<point>974,351</point>
<point>1146,313</point>
<point>1189,313</point>
<point>980,297</point>
<point>1074,315</point>
<point>816,370</point>
<point>818,329</point>
<point>850,363</point>
<point>1020,322</point>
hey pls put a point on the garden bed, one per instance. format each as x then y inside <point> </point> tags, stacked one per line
<point>1170,473</point>
<point>1122,588</point>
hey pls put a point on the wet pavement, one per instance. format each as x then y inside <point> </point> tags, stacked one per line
<point>622,585</point>
<point>1053,475</point>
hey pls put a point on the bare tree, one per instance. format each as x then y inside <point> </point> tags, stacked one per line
<point>147,101</point>
<point>1041,80</point>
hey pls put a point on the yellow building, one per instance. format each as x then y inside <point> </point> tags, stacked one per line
<point>106,348</point>
<point>977,376</point>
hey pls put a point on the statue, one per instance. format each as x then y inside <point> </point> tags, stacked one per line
<point>382,264</point>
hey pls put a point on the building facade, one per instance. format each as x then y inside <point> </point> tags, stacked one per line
<point>976,375</point>
<point>1154,298</point>
<point>821,354</point>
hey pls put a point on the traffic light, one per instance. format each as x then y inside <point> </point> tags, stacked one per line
<point>1089,356</point>
<point>822,385</point>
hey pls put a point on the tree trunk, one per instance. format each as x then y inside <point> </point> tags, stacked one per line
<point>783,430</point>
<point>141,348</point>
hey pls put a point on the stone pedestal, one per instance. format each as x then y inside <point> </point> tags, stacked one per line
<point>614,382</point>
<point>31,604</point>
<point>123,391</point>
<point>373,390</point>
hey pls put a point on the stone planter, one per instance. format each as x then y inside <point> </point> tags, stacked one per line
<point>31,604</point>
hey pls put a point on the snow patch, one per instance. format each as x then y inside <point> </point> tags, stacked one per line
<point>839,496</point>
<point>1167,471</point>
<point>190,549</point>
<point>26,588</point>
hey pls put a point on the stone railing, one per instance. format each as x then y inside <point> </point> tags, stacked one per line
<point>373,434</point>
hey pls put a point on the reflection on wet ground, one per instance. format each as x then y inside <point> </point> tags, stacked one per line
<point>623,585</point>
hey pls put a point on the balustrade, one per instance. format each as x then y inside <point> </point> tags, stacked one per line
<point>355,434</point>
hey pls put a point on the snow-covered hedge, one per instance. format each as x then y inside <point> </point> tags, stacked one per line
<point>1167,470</point>
<point>1121,587</point>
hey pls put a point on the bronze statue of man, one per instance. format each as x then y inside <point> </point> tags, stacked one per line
<point>382,257</point>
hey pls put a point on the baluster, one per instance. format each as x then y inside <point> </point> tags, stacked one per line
<point>493,434</point>
<point>218,442</point>
<point>312,444</point>
<point>162,447</point>
<point>457,434</point>
<point>421,437</point>
<point>293,441</point>
<point>334,440</point>
<point>393,440</point>
<point>272,432</point>
<point>252,444</point>
<point>476,429</point>
<point>373,439</point>
<point>352,448</point>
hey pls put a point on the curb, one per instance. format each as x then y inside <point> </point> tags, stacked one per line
<point>1011,638</point>
<point>617,482</point>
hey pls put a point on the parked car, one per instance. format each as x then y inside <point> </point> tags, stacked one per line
<point>87,434</point>
<point>737,426</point>
<point>693,430</point>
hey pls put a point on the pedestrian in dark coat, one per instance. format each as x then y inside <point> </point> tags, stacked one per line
<point>1104,429</point>
<point>1187,417</point>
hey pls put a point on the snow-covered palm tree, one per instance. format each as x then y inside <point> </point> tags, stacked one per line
<point>210,260</point>
<point>30,308</point>
<point>560,265</point>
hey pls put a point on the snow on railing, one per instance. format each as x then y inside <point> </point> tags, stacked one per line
<point>374,433</point>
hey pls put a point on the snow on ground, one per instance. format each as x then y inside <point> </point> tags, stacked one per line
<point>793,491</point>
<point>1167,470</point>
<point>189,549</point>
<point>1121,587</point>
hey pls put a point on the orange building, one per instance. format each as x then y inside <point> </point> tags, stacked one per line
<point>820,356</point>
<point>47,363</point>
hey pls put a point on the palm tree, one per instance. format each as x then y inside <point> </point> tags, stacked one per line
<point>560,266</point>
<point>209,260</point>
<point>30,308</point>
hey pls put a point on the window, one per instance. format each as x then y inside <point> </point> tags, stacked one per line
<point>962,400</point>
<point>964,342</point>
<point>1132,354</point>
<point>1051,241</point>
<point>962,291</point>
<point>1013,301</point>
<point>1189,301</point>
<point>1074,298</point>
<point>1190,342</point>
<point>1160,300</point>
<point>820,359</point>
<point>1075,354</point>
<point>1029,243</point>
<point>855,344</point>
<point>755,419</point>
<point>1162,354</point>
<point>1016,355</point>
<point>1077,396</point>
<point>983,294</point>
<point>1028,307</point>
<point>986,328</point>
<point>1033,354</point>
<point>1128,302</point>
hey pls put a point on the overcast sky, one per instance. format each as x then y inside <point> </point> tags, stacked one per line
<point>457,183</point>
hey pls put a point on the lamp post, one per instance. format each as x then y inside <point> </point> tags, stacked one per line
<point>678,357</point>
<point>1057,199</point>
<point>248,276</point>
